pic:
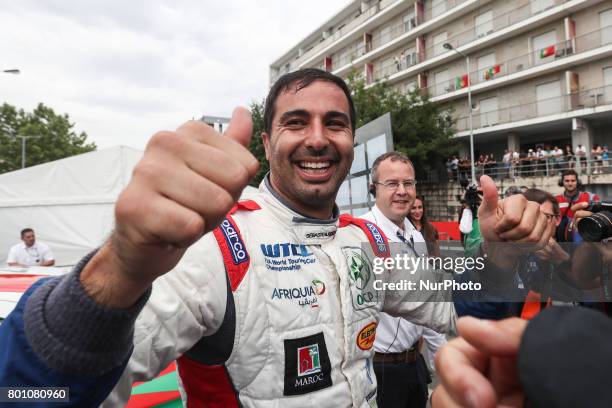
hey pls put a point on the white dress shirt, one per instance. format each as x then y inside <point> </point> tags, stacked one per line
<point>394,334</point>
<point>30,256</point>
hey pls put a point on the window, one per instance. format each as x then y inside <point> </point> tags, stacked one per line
<point>410,57</point>
<point>359,162</point>
<point>484,65</point>
<point>409,22</point>
<point>541,5</point>
<point>359,189</point>
<point>343,197</point>
<point>410,86</point>
<point>438,43</point>
<point>489,112</point>
<point>376,147</point>
<point>437,7</point>
<point>484,24</point>
<point>442,85</point>
<point>548,98</point>
<point>605,23</point>
<point>544,47</point>
<point>607,73</point>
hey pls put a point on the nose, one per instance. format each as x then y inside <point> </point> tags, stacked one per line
<point>401,190</point>
<point>316,138</point>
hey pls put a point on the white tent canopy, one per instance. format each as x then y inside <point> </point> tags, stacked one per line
<point>69,202</point>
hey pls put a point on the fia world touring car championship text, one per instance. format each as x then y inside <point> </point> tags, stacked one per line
<point>412,264</point>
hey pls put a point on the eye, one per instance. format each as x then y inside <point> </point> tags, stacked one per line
<point>296,122</point>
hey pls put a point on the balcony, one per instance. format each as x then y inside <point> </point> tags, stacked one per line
<point>527,65</point>
<point>578,103</point>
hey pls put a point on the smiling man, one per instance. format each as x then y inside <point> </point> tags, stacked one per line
<point>268,302</point>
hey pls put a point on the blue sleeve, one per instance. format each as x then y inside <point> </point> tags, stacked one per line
<point>21,366</point>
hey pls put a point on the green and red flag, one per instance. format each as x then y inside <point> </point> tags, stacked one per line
<point>462,81</point>
<point>491,72</point>
<point>547,52</point>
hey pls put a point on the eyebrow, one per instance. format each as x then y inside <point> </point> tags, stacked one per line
<point>304,113</point>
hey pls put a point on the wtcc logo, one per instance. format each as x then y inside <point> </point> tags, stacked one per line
<point>380,241</point>
<point>234,242</point>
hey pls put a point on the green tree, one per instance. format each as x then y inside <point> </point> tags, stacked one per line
<point>55,137</point>
<point>256,146</point>
<point>421,129</point>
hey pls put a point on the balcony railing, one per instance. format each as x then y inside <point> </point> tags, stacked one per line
<point>538,108</point>
<point>554,52</point>
<point>530,166</point>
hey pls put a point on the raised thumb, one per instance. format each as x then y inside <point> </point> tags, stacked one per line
<point>490,197</point>
<point>240,126</point>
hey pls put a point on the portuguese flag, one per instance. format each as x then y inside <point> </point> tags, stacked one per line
<point>547,52</point>
<point>462,81</point>
<point>491,72</point>
<point>160,392</point>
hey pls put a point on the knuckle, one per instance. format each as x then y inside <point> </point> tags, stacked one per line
<point>147,169</point>
<point>240,175</point>
<point>161,139</point>
<point>194,226</point>
<point>223,202</point>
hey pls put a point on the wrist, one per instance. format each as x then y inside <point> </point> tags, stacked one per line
<point>106,280</point>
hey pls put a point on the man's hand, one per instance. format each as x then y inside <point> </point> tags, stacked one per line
<point>553,252</point>
<point>181,189</point>
<point>513,219</point>
<point>479,369</point>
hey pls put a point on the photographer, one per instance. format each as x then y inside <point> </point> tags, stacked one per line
<point>571,195</point>
<point>469,220</point>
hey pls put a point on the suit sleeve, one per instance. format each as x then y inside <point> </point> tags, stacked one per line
<point>565,359</point>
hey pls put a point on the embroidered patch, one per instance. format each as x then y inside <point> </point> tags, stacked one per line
<point>365,338</point>
<point>361,278</point>
<point>307,365</point>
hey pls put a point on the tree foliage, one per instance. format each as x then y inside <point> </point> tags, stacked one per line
<point>421,129</point>
<point>256,146</point>
<point>54,137</point>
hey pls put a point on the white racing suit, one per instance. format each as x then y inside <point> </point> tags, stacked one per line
<point>290,324</point>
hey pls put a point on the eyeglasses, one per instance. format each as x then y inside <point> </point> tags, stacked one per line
<point>550,217</point>
<point>394,185</point>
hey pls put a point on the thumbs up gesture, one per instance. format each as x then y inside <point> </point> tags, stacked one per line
<point>513,219</point>
<point>182,188</point>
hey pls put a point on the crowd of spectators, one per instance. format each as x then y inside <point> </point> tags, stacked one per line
<point>544,160</point>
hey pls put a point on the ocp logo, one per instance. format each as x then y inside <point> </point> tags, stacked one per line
<point>234,242</point>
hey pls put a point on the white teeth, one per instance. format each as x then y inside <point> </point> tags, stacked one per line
<point>314,165</point>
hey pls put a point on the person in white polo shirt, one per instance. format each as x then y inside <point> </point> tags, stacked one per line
<point>29,252</point>
<point>400,369</point>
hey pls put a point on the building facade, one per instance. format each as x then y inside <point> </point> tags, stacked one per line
<point>540,70</point>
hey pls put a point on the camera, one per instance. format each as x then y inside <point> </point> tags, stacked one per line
<point>597,227</point>
<point>472,195</point>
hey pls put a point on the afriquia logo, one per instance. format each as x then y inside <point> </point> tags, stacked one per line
<point>378,239</point>
<point>305,296</point>
<point>234,242</point>
<point>286,256</point>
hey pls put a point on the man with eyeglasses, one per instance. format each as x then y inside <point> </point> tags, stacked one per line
<point>401,372</point>
<point>29,252</point>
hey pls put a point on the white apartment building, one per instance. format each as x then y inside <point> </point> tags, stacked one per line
<point>541,70</point>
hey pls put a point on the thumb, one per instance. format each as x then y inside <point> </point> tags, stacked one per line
<point>490,197</point>
<point>240,126</point>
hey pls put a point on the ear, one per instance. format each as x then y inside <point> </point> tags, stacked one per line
<point>266,142</point>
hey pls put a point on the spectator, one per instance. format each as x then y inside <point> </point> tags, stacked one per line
<point>418,217</point>
<point>507,160</point>
<point>455,167</point>
<point>581,158</point>
<point>515,163</point>
<point>596,154</point>
<point>570,196</point>
<point>569,157</point>
<point>605,155</point>
<point>558,155</point>
<point>29,252</point>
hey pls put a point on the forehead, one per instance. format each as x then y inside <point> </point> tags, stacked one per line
<point>546,206</point>
<point>570,177</point>
<point>395,170</point>
<point>319,97</point>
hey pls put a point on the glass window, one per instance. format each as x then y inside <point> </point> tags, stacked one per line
<point>608,84</point>
<point>359,162</point>
<point>438,7</point>
<point>359,190</point>
<point>441,83</point>
<point>344,194</point>
<point>489,114</point>
<point>376,147</point>
<point>541,5</point>
<point>544,47</point>
<point>438,43</point>
<point>358,212</point>
<point>484,24</point>
<point>605,23</point>
<point>549,98</point>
